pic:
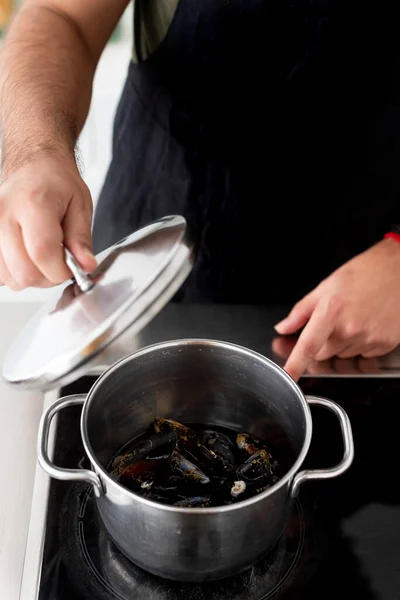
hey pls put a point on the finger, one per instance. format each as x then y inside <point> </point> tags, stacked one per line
<point>367,350</point>
<point>42,235</point>
<point>333,347</point>
<point>312,338</point>
<point>77,232</point>
<point>368,366</point>
<point>298,316</point>
<point>24,272</point>
<point>350,351</point>
<point>378,350</point>
<point>5,276</point>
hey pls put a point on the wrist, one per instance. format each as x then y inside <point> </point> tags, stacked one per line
<point>390,247</point>
<point>13,159</point>
<point>392,235</point>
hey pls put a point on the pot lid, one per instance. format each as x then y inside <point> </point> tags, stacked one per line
<point>134,279</point>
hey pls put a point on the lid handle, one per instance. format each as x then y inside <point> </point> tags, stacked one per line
<point>83,280</point>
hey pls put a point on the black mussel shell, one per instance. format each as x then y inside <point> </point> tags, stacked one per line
<point>221,445</point>
<point>182,432</point>
<point>186,469</point>
<point>165,493</point>
<point>203,457</point>
<point>190,446</point>
<point>145,455</point>
<point>194,502</point>
<point>257,469</point>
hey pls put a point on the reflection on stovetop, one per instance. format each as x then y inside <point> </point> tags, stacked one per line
<point>343,537</point>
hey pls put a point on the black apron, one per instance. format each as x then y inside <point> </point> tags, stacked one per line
<point>274,128</point>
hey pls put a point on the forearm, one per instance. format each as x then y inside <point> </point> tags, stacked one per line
<point>46,75</point>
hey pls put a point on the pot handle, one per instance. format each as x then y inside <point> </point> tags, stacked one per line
<point>43,442</point>
<point>348,444</point>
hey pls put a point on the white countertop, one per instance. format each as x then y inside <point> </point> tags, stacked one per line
<point>19,417</point>
<point>21,520</point>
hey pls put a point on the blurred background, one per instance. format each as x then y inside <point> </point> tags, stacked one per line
<point>95,140</point>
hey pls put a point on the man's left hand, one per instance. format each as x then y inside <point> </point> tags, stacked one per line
<point>354,312</point>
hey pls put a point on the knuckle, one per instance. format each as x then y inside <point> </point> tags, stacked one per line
<point>388,345</point>
<point>84,212</point>
<point>86,191</point>
<point>37,198</point>
<point>310,348</point>
<point>334,305</point>
<point>371,339</point>
<point>351,329</point>
<point>31,197</point>
<point>379,349</point>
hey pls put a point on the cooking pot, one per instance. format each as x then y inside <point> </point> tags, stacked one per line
<point>203,381</point>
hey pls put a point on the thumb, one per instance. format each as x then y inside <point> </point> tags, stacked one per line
<point>78,234</point>
<point>298,316</point>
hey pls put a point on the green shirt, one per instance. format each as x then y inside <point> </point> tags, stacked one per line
<point>152,19</point>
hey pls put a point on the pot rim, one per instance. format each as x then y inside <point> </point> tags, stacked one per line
<point>209,342</point>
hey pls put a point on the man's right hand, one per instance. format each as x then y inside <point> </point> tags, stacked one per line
<point>42,205</point>
<point>47,64</point>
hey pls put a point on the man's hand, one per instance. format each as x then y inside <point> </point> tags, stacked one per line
<point>282,347</point>
<point>355,311</point>
<point>42,205</point>
<point>47,64</point>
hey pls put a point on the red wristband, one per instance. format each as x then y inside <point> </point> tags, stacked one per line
<point>393,236</point>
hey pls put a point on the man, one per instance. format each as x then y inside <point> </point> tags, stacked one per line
<point>273,127</point>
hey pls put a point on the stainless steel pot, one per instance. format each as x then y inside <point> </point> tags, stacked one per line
<point>194,381</point>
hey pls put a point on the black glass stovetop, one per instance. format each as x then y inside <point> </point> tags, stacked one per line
<point>343,536</point>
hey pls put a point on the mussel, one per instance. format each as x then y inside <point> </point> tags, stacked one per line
<point>164,493</point>
<point>186,469</point>
<point>257,469</point>
<point>220,445</point>
<point>183,433</point>
<point>194,502</point>
<point>248,443</point>
<point>190,446</point>
<point>193,467</point>
<point>145,455</point>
